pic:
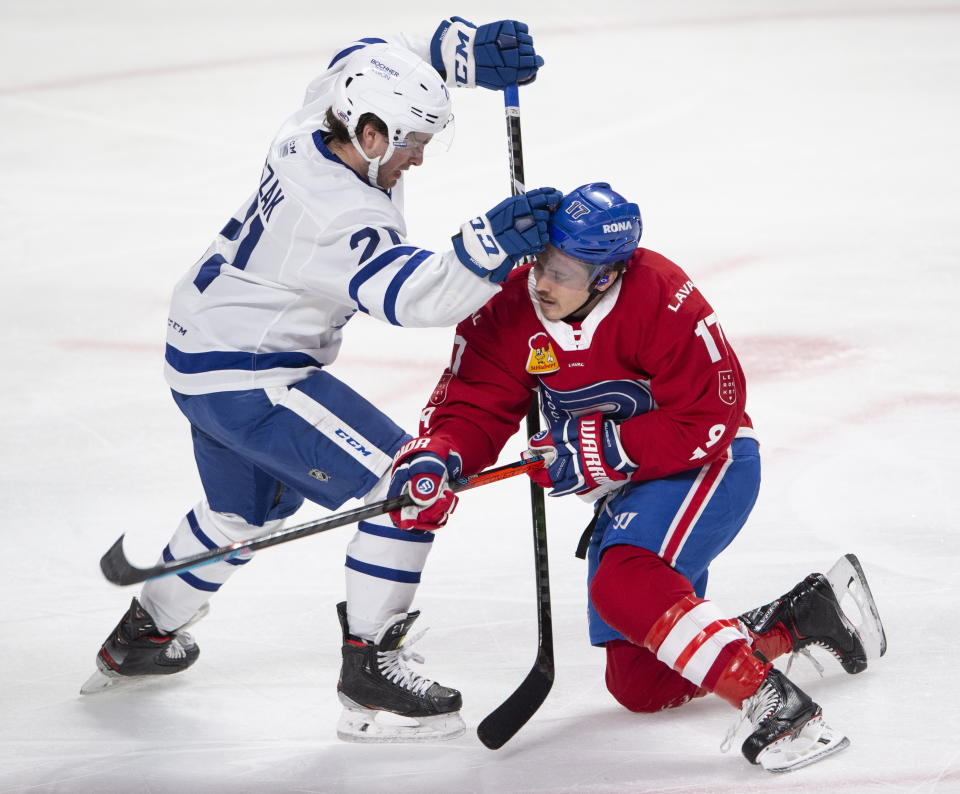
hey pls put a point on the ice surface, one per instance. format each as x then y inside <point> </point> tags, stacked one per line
<point>799,160</point>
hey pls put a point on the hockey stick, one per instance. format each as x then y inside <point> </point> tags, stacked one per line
<point>118,569</point>
<point>499,726</point>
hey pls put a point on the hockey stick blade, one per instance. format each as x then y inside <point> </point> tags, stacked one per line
<point>118,569</point>
<point>500,725</point>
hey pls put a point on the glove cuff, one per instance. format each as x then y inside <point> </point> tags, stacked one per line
<point>433,445</point>
<point>613,450</point>
<point>479,252</point>
<point>451,52</point>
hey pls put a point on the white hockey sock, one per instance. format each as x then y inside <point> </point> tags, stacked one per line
<point>173,600</point>
<point>383,570</point>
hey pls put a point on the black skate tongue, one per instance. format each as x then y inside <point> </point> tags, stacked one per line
<point>393,637</point>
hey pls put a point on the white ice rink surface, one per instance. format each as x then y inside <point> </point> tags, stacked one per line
<point>798,159</point>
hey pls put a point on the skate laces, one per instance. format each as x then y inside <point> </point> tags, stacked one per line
<point>755,709</point>
<point>391,664</point>
<point>175,649</point>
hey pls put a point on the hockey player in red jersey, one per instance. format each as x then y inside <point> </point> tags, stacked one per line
<point>645,405</point>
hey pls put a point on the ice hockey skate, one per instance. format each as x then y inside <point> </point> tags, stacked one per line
<point>835,611</point>
<point>376,683</point>
<point>137,650</point>
<point>788,727</point>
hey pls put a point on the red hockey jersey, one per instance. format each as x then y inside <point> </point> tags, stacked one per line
<point>650,355</point>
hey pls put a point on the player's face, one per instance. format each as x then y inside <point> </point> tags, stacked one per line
<point>562,283</point>
<point>405,155</point>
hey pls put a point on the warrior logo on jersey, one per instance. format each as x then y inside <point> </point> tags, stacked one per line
<point>728,387</point>
<point>542,359</point>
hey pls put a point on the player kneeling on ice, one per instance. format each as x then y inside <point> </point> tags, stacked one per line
<point>256,321</point>
<point>644,401</point>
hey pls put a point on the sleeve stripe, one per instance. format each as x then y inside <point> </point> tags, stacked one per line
<point>390,298</point>
<point>373,267</point>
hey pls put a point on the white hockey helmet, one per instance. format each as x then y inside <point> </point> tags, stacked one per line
<point>398,87</point>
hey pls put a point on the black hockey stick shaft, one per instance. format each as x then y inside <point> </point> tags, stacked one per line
<point>500,725</point>
<point>118,569</point>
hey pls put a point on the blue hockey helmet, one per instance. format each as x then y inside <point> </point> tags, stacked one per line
<point>597,225</point>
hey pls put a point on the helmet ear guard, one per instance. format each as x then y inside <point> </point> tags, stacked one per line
<point>596,225</point>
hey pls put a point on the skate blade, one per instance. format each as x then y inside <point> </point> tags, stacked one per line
<point>102,680</point>
<point>361,725</point>
<point>815,741</point>
<point>850,586</point>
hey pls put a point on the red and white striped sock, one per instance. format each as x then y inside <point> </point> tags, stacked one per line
<point>695,639</point>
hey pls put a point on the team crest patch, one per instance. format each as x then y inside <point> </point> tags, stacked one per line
<point>542,359</point>
<point>728,387</point>
<point>440,392</point>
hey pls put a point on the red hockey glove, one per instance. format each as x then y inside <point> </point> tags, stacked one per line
<point>422,468</point>
<point>582,456</point>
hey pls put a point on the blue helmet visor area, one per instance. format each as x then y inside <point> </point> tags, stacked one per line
<point>567,271</point>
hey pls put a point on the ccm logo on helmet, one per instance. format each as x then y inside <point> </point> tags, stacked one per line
<point>620,226</point>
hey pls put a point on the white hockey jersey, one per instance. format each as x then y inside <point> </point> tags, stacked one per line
<point>315,243</point>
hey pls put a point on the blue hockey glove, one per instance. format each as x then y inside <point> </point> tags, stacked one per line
<point>582,456</point>
<point>422,468</point>
<point>517,227</point>
<point>492,56</point>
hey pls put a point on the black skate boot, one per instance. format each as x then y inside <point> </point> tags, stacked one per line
<point>137,648</point>
<point>374,679</point>
<point>788,727</point>
<point>812,614</point>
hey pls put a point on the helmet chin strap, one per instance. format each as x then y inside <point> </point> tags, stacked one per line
<point>572,316</point>
<point>603,278</point>
<point>373,163</point>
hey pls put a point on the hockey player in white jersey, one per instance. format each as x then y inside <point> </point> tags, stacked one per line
<point>254,322</point>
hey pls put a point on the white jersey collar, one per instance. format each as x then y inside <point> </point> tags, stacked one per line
<point>563,333</point>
